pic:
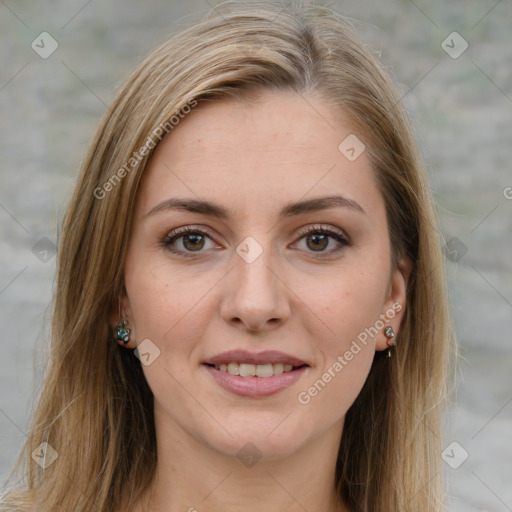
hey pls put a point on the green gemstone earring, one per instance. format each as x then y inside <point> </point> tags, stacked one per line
<point>123,334</point>
<point>390,336</point>
<point>389,333</point>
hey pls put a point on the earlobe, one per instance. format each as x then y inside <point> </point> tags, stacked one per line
<point>394,307</point>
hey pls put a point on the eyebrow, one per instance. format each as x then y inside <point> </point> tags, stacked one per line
<point>291,209</point>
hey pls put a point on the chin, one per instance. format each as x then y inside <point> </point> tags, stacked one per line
<point>266,440</point>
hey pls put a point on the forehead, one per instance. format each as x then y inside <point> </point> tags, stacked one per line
<point>280,122</point>
<point>279,148</point>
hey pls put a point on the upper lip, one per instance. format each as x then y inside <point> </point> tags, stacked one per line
<point>265,357</point>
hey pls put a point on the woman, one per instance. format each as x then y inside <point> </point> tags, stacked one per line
<point>251,307</point>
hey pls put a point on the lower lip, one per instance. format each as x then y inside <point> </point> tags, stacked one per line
<point>255,386</point>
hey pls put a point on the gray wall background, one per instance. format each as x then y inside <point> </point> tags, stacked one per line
<point>462,111</point>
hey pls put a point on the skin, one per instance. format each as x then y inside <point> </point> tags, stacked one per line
<point>253,159</point>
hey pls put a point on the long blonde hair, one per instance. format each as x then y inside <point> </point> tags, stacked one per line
<point>96,409</point>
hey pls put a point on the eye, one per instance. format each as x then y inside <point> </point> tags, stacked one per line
<point>187,240</point>
<point>318,239</point>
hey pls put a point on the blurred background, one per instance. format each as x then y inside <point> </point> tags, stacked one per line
<point>61,63</point>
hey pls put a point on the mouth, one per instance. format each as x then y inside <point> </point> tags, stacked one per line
<point>255,375</point>
<point>248,370</point>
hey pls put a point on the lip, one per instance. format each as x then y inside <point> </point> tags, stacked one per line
<point>265,357</point>
<point>255,386</point>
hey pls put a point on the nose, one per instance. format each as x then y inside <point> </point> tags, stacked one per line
<point>255,297</point>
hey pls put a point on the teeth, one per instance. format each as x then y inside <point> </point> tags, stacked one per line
<point>264,370</point>
<point>251,370</point>
<point>279,368</point>
<point>247,370</point>
<point>233,368</point>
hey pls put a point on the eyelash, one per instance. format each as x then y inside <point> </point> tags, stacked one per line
<point>321,230</point>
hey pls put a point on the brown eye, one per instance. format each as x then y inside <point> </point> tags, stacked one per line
<point>317,242</point>
<point>193,242</point>
<point>186,241</point>
<point>318,239</point>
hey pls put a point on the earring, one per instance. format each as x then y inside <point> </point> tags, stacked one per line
<point>390,335</point>
<point>123,334</point>
<point>390,338</point>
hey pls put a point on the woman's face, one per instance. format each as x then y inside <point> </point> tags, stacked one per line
<point>268,263</point>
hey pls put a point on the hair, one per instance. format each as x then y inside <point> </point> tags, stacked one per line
<point>96,409</point>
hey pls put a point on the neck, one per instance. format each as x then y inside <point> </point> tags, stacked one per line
<point>192,476</point>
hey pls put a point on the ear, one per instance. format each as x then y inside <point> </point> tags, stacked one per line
<point>122,311</point>
<point>394,306</point>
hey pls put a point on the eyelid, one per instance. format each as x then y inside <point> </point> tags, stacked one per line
<point>190,228</point>
<point>323,227</point>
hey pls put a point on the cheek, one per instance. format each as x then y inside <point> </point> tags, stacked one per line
<point>350,307</point>
<point>161,297</point>
<point>331,393</point>
<point>347,303</point>
<point>165,306</point>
